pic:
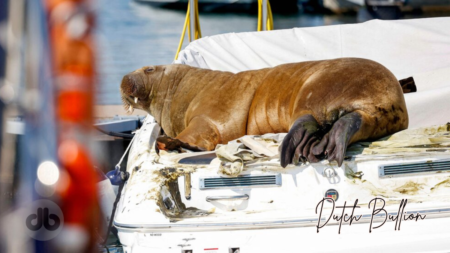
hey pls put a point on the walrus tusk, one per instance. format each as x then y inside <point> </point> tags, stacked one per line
<point>135,100</point>
<point>130,109</point>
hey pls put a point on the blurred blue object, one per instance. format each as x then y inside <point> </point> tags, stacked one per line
<point>116,176</point>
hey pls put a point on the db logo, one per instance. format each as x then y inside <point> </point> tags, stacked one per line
<point>44,220</point>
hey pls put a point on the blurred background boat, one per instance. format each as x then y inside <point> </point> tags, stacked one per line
<point>285,6</point>
<point>384,9</point>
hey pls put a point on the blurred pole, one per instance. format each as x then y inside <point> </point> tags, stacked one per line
<point>30,89</point>
<point>71,26</point>
<point>14,237</point>
<point>12,44</point>
<point>3,18</point>
<point>264,15</point>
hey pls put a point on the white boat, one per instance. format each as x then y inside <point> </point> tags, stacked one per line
<point>188,202</point>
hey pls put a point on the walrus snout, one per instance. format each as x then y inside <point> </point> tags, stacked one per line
<point>132,89</point>
<point>128,85</point>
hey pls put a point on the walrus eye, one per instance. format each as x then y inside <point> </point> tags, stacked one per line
<point>149,69</point>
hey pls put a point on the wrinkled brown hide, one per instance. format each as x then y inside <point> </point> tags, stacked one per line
<point>205,107</point>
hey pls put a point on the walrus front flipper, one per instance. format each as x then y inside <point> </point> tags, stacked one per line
<point>299,139</point>
<point>335,142</point>
<point>200,132</point>
<point>167,143</point>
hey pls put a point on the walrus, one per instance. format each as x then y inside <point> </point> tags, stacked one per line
<point>324,106</point>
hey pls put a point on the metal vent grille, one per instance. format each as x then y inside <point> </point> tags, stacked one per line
<point>240,182</point>
<point>414,168</point>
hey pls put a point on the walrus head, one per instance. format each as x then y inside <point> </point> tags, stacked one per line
<point>137,87</point>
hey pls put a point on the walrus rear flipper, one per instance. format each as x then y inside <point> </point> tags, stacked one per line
<point>302,141</point>
<point>334,144</point>
<point>300,137</point>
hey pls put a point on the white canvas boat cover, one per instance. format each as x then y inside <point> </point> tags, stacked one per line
<point>416,47</point>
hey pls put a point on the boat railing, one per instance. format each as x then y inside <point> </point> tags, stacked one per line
<point>192,21</point>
